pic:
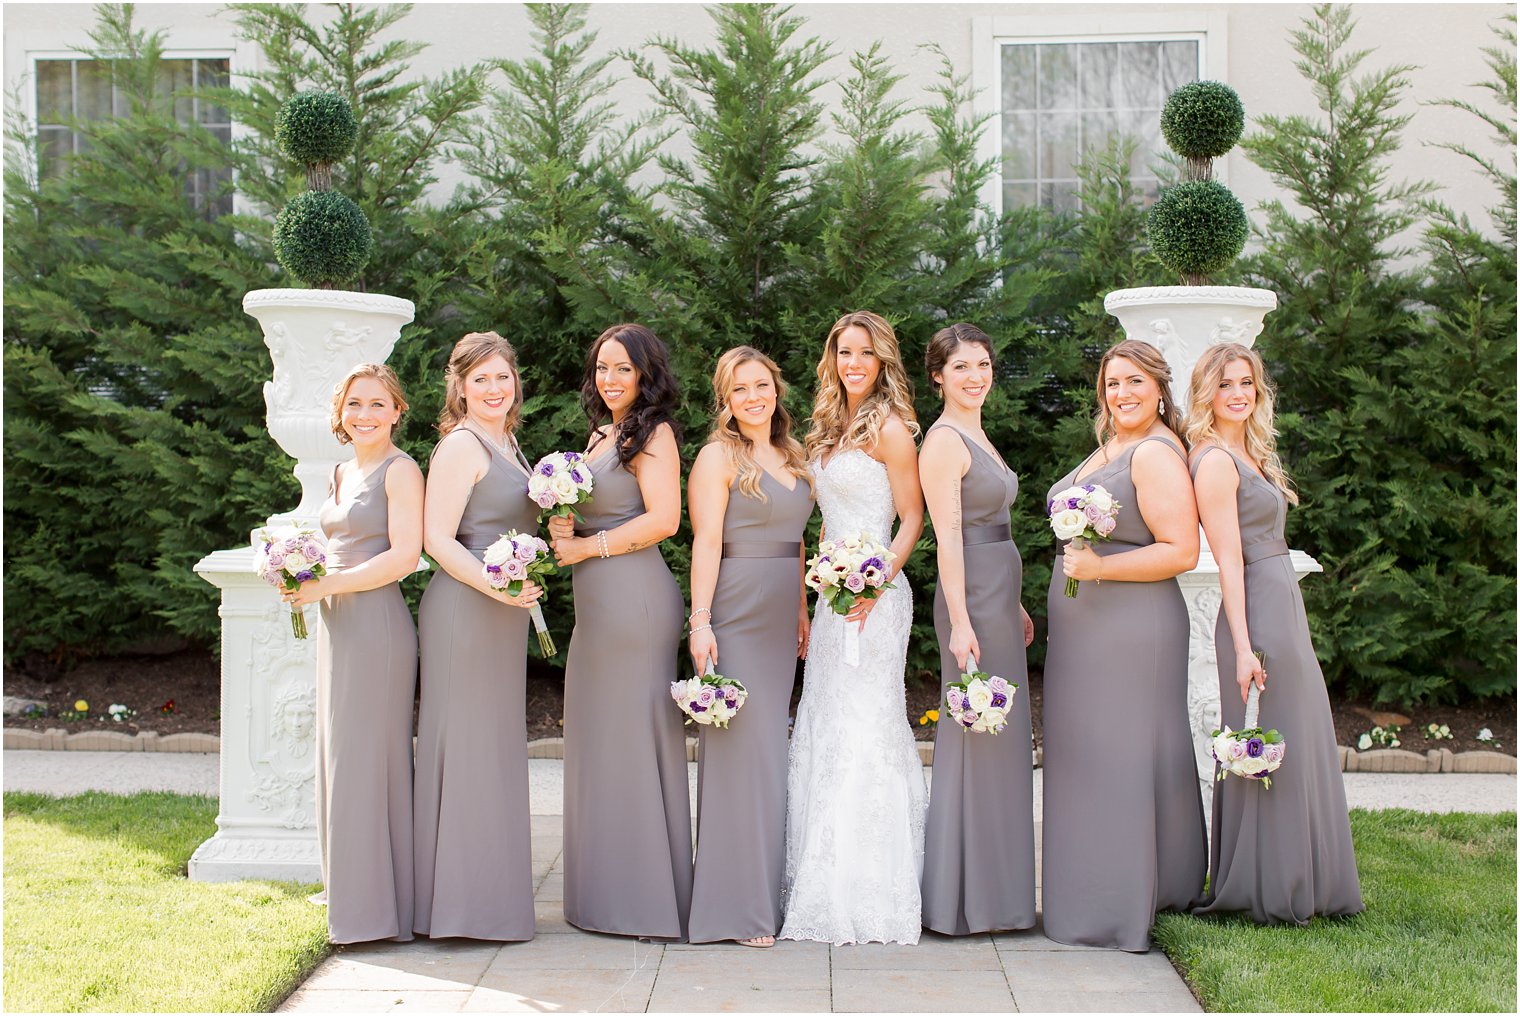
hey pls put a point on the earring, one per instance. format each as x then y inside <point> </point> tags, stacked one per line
<point>1160,407</point>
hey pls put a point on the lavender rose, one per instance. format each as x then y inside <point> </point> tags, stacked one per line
<point>855,582</point>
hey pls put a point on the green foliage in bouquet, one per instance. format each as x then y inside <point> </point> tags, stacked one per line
<point>1197,227</point>
<point>322,238</point>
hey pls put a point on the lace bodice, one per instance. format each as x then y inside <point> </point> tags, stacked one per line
<point>855,495</point>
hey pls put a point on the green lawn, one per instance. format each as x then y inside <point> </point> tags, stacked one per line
<point>1438,933</point>
<point>99,915</point>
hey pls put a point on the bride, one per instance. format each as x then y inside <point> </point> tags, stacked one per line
<point>855,788</point>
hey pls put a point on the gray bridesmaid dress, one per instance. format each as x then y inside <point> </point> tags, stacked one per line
<point>1282,854</point>
<point>741,785</point>
<point>366,678</point>
<point>474,849</point>
<point>1123,831</point>
<point>627,811</point>
<point>979,841</point>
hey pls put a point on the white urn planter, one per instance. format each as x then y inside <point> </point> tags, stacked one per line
<point>1183,322</point>
<point>266,822</point>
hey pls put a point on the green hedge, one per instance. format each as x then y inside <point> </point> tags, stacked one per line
<point>134,440</point>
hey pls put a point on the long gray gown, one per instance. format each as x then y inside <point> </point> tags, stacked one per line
<point>474,847</point>
<point>366,678</point>
<point>1123,824</point>
<point>979,841</point>
<point>741,786</point>
<point>627,814</point>
<point>1281,854</point>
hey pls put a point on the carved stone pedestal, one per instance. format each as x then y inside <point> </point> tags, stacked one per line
<point>266,825</point>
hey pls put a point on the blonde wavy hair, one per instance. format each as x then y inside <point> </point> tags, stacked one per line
<point>737,447</point>
<point>832,426</point>
<point>380,372</point>
<point>1150,361</point>
<point>1261,429</point>
<point>468,352</point>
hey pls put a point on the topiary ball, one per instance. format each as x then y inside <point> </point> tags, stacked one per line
<point>316,128</point>
<point>322,238</point>
<point>1197,227</point>
<point>1203,120</point>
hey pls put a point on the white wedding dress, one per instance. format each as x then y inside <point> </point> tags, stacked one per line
<point>855,788</point>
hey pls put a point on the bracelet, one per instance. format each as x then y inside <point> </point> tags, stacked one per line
<point>1099,580</point>
<point>699,610</point>
<point>705,627</point>
<point>601,544</point>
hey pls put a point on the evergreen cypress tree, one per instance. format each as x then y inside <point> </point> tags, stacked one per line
<point>1385,430</point>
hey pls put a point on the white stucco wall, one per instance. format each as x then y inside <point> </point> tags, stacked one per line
<point>1248,45</point>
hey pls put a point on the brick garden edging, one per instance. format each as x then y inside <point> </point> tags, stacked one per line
<point>1377,760</point>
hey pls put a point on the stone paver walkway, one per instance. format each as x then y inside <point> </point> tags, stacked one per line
<point>565,969</point>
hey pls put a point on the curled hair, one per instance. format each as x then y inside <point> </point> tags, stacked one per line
<point>945,342</point>
<point>380,372</point>
<point>832,426</point>
<point>1150,361</point>
<point>469,352</point>
<point>738,448</point>
<point>656,400</point>
<point>1260,426</point>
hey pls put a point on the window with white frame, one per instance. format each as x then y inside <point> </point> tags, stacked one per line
<point>81,89</point>
<point>1061,97</point>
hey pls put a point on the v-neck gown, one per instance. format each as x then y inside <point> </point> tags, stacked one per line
<point>474,847</point>
<point>1284,854</point>
<point>741,786</point>
<point>366,679</point>
<point>627,810</point>
<point>979,841</point>
<point>1123,820</point>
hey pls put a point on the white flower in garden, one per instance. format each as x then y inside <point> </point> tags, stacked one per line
<point>1485,734</point>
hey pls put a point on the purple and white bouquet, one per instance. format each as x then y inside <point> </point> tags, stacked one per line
<point>560,481</point>
<point>513,560</point>
<point>1251,752</point>
<point>843,573</point>
<point>710,699</point>
<point>979,702</point>
<point>1087,512</point>
<point>285,557</point>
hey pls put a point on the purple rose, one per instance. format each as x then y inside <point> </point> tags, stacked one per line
<point>304,576</point>
<point>1274,752</point>
<point>997,685</point>
<point>545,500</point>
<point>514,570</point>
<point>496,580</point>
<point>276,559</point>
<point>526,552</point>
<point>1092,513</point>
<point>955,698</point>
<point>855,582</point>
<point>999,701</point>
<point>969,720</point>
<point>706,697</point>
<point>1105,525</point>
<point>1254,746</point>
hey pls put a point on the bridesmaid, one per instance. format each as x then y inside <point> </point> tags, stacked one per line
<point>367,665</point>
<point>627,811</point>
<point>979,842</point>
<point>1123,829</point>
<point>1282,855</point>
<point>750,497</point>
<point>474,855</point>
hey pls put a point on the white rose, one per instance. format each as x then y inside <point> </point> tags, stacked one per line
<point>979,696</point>
<point>499,552</point>
<point>295,562</point>
<point>537,485</point>
<point>1251,766</point>
<point>1068,524</point>
<point>1221,745</point>
<point>1100,499</point>
<point>562,486</point>
<point>994,718</point>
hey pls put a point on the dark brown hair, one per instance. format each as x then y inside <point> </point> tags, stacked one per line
<point>657,398</point>
<point>943,345</point>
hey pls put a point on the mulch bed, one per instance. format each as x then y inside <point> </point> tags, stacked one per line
<point>191,679</point>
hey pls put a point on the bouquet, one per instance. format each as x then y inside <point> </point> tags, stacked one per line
<point>1252,752</point>
<point>560,481</point>
<point>513,560</point>
<point>710,699</point>
<point>843,573</point>
<point>1088,512</point>
<point>285,557</point>
<point>979,702</point>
